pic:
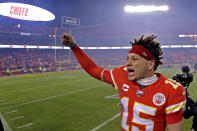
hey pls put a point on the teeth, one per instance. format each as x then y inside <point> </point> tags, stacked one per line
<point>130,73</point>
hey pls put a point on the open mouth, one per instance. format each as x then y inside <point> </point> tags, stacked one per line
<point>130,71</point>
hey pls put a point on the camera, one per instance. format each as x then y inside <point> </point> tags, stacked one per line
<point>191,107</point>
<point>185,79</point>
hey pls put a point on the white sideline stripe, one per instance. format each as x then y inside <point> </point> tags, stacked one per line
<point>5,124</point>
<point>26,125</point>
<point>48,98</point>
<point>11,111</point>
<point>105,122</point>
<point>19,117</point>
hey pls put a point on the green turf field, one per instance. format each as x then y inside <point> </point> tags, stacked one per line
<point>64,101</point>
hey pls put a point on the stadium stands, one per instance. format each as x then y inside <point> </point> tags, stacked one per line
<point>20,59</point>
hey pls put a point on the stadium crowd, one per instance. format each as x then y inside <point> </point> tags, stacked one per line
<point>25,59</point>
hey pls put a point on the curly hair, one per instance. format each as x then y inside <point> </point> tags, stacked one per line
<point>152,46</point>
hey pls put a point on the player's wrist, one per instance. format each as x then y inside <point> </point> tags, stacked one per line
<point>73,45</point>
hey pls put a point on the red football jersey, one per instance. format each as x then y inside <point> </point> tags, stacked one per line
<point>150,108</point>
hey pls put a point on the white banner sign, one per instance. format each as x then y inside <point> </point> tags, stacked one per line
<point>25,12</point>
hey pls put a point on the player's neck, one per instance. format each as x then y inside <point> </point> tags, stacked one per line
<point>148,81</point>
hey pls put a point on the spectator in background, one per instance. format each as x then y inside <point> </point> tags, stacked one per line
<point>8,72</point>
<point>40,69</point>
<point>44,69</point>
<point>31,70</point>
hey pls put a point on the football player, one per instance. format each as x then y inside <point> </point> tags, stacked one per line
<point>149,101</point>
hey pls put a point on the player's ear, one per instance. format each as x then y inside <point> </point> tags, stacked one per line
<point>151,64</point>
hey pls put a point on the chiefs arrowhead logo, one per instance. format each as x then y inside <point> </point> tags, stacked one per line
<point>125,87</point>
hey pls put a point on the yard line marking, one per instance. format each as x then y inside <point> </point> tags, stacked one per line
<point>26,125</point>
<point>113,96</point>
<point>5,124</point>
<point>48,98</point>
<point>19,117</point>
<point>105,122</point>
<point>13,91</point>
<point>11,111</point>
<point>2,100</point>
<point>4,103</point>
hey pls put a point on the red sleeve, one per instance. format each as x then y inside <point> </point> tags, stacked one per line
<point>175,104</point>
<point>90,67</point>
<point>174,117</point>
<point>107,77</point>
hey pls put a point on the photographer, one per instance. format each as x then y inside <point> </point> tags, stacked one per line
<point>191,107</point>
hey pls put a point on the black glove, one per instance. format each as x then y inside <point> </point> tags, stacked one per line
<point>194,125</point>
<point>190,102</point>
<point>187,113</point>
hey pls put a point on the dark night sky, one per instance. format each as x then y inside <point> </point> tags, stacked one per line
<point>181,17</point>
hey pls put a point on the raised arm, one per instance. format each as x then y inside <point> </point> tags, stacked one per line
<point>88,65</point>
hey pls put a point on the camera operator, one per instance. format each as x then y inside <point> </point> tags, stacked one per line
<point>191,107</point>
<point>186,78</point>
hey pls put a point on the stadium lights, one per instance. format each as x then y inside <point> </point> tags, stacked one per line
<point>144,8</point>
<point>187,35</point>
